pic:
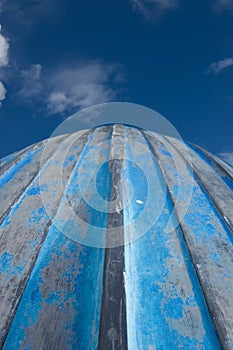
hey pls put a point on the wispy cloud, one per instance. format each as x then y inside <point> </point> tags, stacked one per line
<point>4,47</point>
<point>71,87</point>
<point>217,67</point>
<point>152,10</point>
<point>2,93</point>
<point>23,14</point>
<point>222,5</point>
<point>4,60</point>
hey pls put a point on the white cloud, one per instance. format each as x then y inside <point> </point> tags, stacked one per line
<point>71,87</point>
<point>2,93</point>
<point>217,67</point>
<point>153,9</point>
<point>227,156</point>
<point>223,5</point>
<point>80,86</point>
<point>4,59</point>
<point>31,82</point>
<point>4,47</point>
<point>57,102</point>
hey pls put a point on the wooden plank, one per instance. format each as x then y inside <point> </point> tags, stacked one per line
<point>7,159</point>
<point>23,231</point>
<point>15,181</point>
<point>207,236</point>
<point>113,330</point>
<point>64,291</point>
<point>165,305</point>
<point>217,189</point>
<point>16,158</point>
<point>216,161</point>
<point>61,304</point>
<point>217,167</point>
<point>162,290</point>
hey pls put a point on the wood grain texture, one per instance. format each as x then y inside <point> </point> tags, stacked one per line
<point>115,238</point>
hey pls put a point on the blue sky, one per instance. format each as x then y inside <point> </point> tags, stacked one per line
<point>59,56</point>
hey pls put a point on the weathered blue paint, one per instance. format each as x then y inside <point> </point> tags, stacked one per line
<point>76,300</point>
<point>80,267</point>
<point>224,176</point>
<point>10,173</point>
<point>178,285</point>
<point>217,190</point>
<point>7,159</point>
<point>88,215</point>
<point>165,305</point>
<point>6,267</point>
<point>210,243</point>
<point>22,233</point>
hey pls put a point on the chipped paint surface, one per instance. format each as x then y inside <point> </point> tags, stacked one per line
<point>209,242</point>
<point>63,293</point>
<point>151,288</point>
<point>165,305</point>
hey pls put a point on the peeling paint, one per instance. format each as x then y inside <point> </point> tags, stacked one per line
<point>160,290</point>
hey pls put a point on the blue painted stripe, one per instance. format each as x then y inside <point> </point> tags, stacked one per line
<point>10,173</point>
<point>209,241</point>
<point>218,192</point>
<point>76,296</point>
<point>34,189</point>
<point>8,158</point>
<point>78,270</point>
<point>228,181</point>
<point>23,231</point>
<point>165,305</point>
<point>89,208</point>
<point>228,168</point>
